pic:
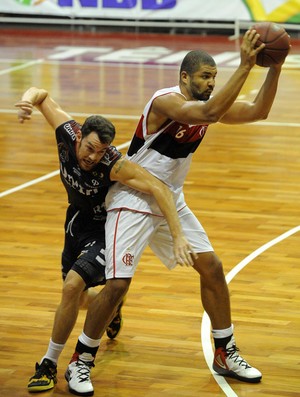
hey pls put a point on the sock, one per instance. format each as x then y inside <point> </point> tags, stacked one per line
<point>86,348</point>
<point>53,352</point>
<point>83,338</point>
<point>222,336</point>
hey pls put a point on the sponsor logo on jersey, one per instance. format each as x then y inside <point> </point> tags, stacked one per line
<point>110,155</point>
<point>77,171</point>
<point>100,211</point>
<point>98,174</point>
<point>71,181</point>
<point>63,152</point>
<point>95,182</point>
<point>70,131</point>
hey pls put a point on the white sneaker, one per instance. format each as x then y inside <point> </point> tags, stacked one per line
<point>78,377</point>
<point>228,362</point>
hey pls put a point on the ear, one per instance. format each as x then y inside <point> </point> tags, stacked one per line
<point>78,136</point>
<point>184,76</point>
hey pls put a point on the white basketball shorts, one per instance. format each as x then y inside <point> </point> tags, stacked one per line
<point>128,233</point>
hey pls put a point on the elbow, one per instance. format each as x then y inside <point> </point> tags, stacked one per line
<point>213,114</point>
<point>262,116</point>
<point>265,116</point>
<point>40,91</point>
<point>213,117</point>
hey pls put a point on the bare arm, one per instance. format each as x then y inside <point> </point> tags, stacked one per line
<point>39,98</point>
<point>248,112</point>
<point>136,177</point>
<point>176,107</point>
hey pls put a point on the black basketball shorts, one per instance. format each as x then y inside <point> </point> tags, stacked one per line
<point>84,249</point>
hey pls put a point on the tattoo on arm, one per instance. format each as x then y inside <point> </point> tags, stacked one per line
<point>119,164</point>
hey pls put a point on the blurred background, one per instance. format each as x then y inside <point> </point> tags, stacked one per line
<point>108,57</point>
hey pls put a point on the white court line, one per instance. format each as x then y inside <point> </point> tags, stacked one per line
<point>206,325</point>
<point>19,67</point>
<point>132,117</point>
<point>45,177</point>
<point>79,114</point>
<point>30,183</point>
<point>291,69</point>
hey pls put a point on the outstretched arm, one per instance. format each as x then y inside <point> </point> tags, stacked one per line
<point>39,98</point>
<point>136,177</point>
<point>176,107</point>
<point>248,112</point>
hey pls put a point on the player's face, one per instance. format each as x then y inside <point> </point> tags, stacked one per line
<point>90,151</point>
<point>201,83</point>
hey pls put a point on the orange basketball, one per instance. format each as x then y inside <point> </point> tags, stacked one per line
<point>277,43</point>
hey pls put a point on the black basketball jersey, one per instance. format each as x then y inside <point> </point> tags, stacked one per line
<point>86,189</point>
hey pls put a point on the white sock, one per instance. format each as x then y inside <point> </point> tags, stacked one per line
<point>86,357</point>
<point>53,352</point>
<point>222,333</point>
<point>83,338</point>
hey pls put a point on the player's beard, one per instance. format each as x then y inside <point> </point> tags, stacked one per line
<point>201,96</point>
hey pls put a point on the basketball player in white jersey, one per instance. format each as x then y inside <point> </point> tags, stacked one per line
<point>171,128</point>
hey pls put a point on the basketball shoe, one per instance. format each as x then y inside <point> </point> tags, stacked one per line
<point>78,376</point>
<point>44,377</point>
<point>228,362</point>
<point>115,326</point>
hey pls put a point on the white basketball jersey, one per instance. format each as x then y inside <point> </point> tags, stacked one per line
<point>166,154</point>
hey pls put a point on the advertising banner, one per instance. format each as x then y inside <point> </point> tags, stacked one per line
<point>281,11</point>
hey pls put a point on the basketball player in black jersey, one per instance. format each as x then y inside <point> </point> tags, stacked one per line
<point>88,166</point>
<point>171,128</point>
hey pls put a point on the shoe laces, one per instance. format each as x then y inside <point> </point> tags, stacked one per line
<point>83,370</point>
<point>232,354</point>
<point>44,369</point>
<point>117,319</point>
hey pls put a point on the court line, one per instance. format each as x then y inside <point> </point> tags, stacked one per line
<point>19,67</point>
<point>132,117</point>
<point>206,325</point>
<point>293,68</point>
<point>45,177</point>
<point>79,114</point>
<point>29,183</point>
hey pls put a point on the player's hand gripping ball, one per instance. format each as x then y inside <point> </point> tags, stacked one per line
<point>277,43</point>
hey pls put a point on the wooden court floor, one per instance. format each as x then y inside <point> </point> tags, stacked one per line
<point>243,185</point>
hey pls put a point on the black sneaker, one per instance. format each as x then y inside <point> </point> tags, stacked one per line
<point>44,377</point>
<point>115,326</point>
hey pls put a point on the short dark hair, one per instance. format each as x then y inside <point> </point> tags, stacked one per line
<point>103,128</point>
<point>194,59</point>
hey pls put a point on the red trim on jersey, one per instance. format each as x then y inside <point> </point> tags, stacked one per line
<point>139,128</point>
<point>141,212</point>
<point>134,210</point>
<point>165,123</point>
<point>114,247</point>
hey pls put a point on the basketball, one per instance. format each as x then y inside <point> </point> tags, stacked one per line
<point>277,43</point>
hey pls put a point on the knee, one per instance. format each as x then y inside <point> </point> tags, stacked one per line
<point>72,290</point>
<point>216,264</point>
<point>86,297</point>
<point>117,288</point>
<point>216,270</point>
<point>210,267</point>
